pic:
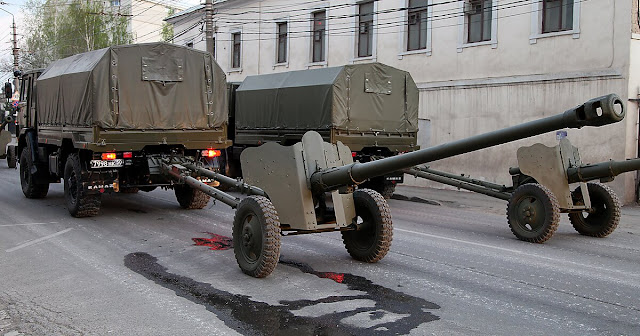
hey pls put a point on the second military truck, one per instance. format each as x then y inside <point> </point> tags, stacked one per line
<point>104,120</point>
<point>372,108</point>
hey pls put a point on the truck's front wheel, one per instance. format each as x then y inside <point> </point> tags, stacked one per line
<point>28,179</point>
<point>190,198</point>
<point>79,203</point>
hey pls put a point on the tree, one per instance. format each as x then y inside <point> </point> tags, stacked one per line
<point>167,29</point>
<point>57,28</point>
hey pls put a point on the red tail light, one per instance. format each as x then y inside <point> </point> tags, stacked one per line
<point>127,155</point>
<point>211,153</point>
<point>108,156</point>
<point>353,154</point>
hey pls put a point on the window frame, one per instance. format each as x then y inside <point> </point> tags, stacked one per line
<point>356,32</point>
<point>562,9</point>
<point>282,38</point>
<point>463,28</point>
<point>536,22</point>
<point>232,42</point>
<point>324,37</point>
<point>404,34</point>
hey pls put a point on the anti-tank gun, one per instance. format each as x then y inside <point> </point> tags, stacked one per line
<point>310,187</point>
<point>593,208</point>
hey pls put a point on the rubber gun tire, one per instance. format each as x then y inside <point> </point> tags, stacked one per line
<point>604,218</point>
<point>533,213</point>
<point>256,236</point>
<point>372,242</point>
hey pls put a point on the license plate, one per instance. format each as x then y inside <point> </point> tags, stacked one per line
<point>394,178</point>
<point>107,163</point>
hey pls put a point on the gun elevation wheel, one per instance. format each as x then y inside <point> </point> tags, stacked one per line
<point>372,240</point>
<point>256,236</point>
<point>533,213</point>
<point>604,217</point>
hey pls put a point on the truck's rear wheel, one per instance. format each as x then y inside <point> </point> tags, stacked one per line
<point>256,236</point>
<point>372,241</point>
<point>79,203</point>
<point>190,198</point>
<point>28,180</point>
<point>12,157</point>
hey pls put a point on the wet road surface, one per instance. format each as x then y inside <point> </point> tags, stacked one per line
<point>147,267</point>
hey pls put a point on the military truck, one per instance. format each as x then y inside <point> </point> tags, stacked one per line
<point>102,120</point>
<point>372,108</point>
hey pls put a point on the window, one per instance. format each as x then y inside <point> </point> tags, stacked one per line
<point>115,3</point>
<point>236,51</point>
<point>365,29</point>
<point>281,52</point>
<point>417,25</point>
<point>478,16</point>
<point>557,15</point>
<point>317,39</point>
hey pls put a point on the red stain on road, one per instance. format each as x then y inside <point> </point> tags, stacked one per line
<point>216,242</point>
<point>337,277</point>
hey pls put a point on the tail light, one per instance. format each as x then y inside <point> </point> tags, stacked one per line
<point>108,156</point>
<point>127,155</point>
<point>211,153</point>
<point>353,154</point>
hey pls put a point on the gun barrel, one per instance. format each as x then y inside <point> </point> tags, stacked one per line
<point>602,170</point>
<point>596,112</point>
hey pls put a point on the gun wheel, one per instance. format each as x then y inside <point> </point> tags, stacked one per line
<point>256,236</point>
<point>372,241</point>
<point>533,213</point>
<point>605,214</point>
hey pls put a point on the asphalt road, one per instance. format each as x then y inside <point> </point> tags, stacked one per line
<point>453,269</point>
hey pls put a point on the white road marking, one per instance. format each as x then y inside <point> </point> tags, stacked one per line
<point>26,224</point>
<point>35,241</point>
<point>527,254</point>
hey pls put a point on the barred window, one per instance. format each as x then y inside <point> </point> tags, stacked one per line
<point>417,25</point>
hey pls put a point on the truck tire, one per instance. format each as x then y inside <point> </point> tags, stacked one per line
<point>12,157</point>
<point>372,241</point>
<point>79,203</point>
<point>190,198</point>
<point>30,188</point>
<point>256,236</point>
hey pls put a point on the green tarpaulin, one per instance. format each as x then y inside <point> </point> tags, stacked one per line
<point>367,97</point>
<point>141,86</point>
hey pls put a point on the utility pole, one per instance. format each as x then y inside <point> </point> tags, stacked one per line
<point>15,48</point>
<point>208,18</point>
<point>15,54</point>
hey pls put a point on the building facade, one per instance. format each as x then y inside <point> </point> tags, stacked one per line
<point>146,17</point>
<point>480,65</point>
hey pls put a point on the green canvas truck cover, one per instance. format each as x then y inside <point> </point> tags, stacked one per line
<point>139,86</point>
<point>369,96</point>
